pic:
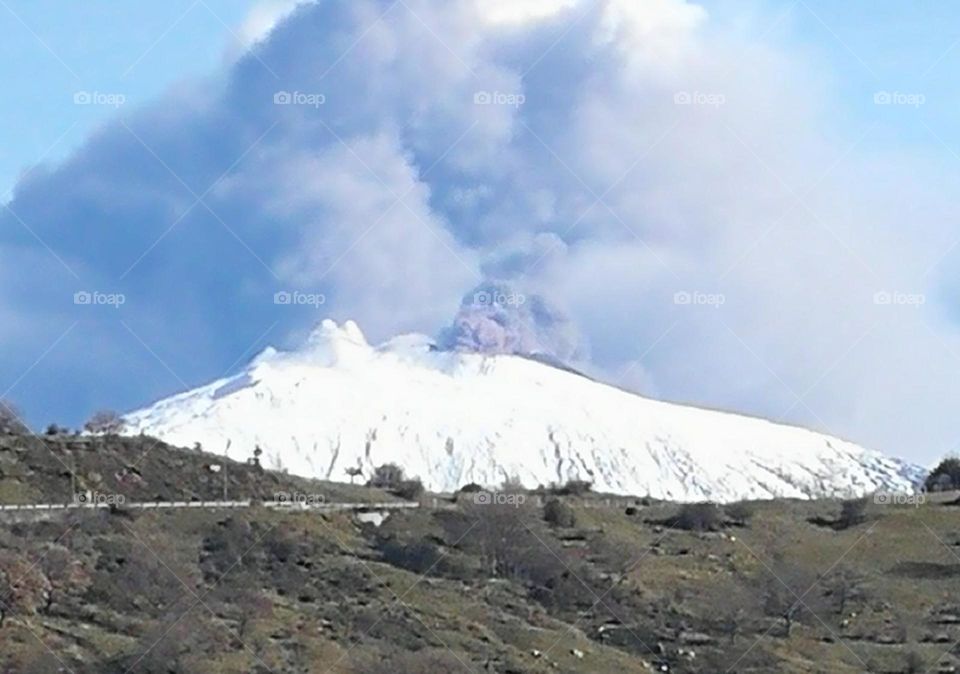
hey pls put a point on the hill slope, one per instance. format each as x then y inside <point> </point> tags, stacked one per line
<point>452,418</point>
<point>458,585</point>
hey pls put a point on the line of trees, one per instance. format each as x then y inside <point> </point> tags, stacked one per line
<point>102,422</point>
<point>946,476</point>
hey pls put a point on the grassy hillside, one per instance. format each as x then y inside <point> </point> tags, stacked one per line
<point>611,585</point>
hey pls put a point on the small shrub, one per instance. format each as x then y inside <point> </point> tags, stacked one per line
<point>418,557</point>
<point>852,513</point>
<point>558,514</point>
<point>387,476</point>
<point>914,664</point>
<point>945,477</point>
<point>739,513</point>
<point>941,482</point>
<point>699,517</point>
<point>573,488</point>
<point>425,661</point>
<point>471,488</point>
<point>410,490</point>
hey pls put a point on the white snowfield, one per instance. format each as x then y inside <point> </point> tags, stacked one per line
<point>452,418</point>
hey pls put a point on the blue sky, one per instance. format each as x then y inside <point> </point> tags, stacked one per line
<point>737,205</point>
<point>54,49</point>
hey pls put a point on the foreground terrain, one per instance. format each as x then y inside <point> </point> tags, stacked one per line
<point>509,582</point>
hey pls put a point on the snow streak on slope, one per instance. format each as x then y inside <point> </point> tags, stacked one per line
<point>452,418</point>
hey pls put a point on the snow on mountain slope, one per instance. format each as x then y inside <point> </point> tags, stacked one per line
<point>452,418</point>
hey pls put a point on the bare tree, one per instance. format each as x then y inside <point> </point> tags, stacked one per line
<point>790,593</point>
<point>104,422</point>
<point>502,534</point>
<point>165,647</point>
<point>843,587</point>
<point>7,598</point>
<point>253,606</point>
<point>737,607</point>
<point>11,421</point>
<point>731,623</point>
<point>23,587</point>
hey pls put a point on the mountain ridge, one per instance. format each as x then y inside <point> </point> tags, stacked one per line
<point>455,417</point>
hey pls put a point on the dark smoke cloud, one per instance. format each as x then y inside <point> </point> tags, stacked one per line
<point>497,318</point>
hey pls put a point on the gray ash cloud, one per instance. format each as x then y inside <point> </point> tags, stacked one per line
<point>498,318</point>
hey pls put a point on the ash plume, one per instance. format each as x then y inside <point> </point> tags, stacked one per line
<point>497,318</point>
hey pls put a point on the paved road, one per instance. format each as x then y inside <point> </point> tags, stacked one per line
<point>210,505</point>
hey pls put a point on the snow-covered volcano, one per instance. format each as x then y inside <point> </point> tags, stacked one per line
<point>452,417</point>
